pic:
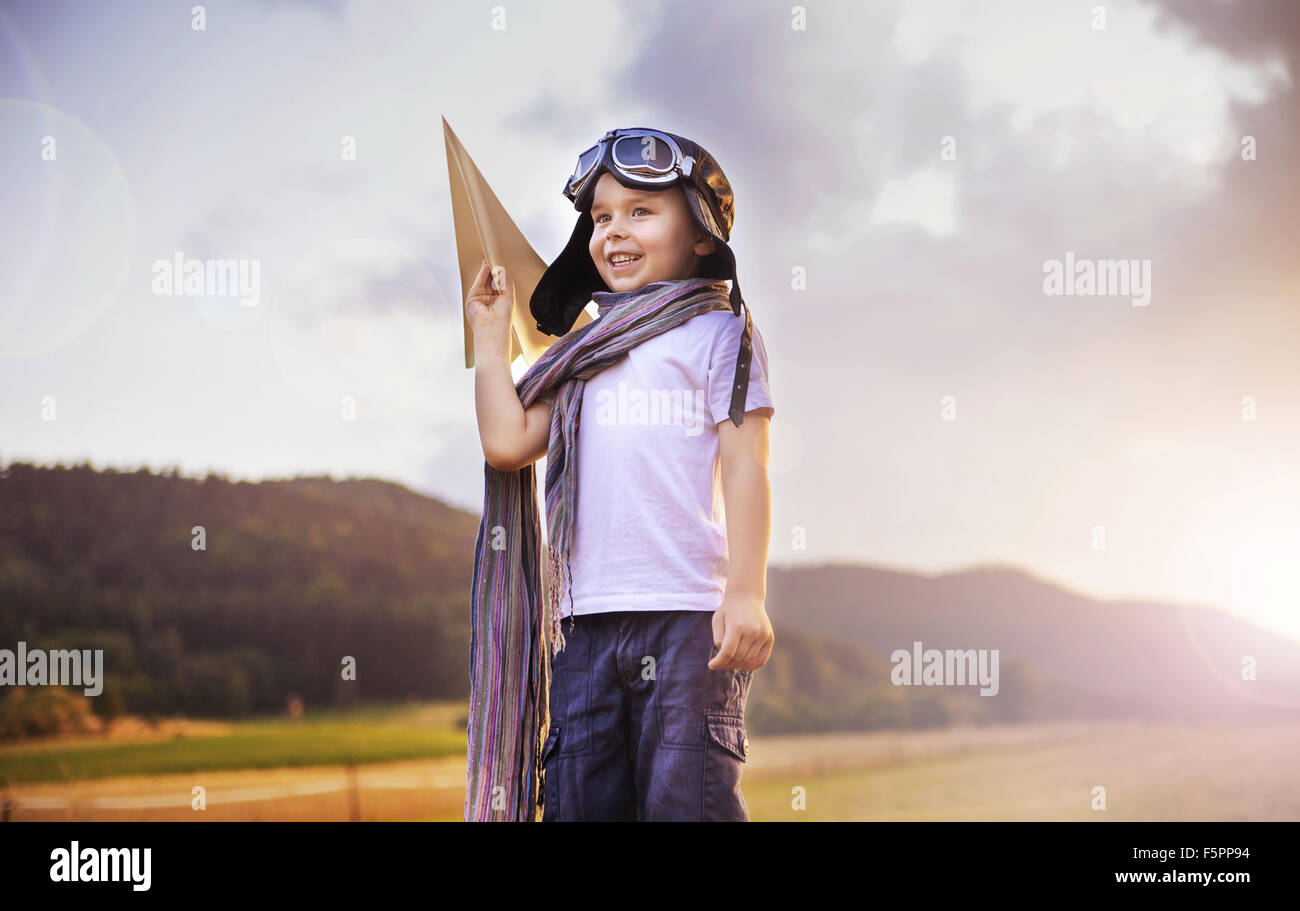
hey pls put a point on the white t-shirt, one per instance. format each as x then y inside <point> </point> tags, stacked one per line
<point>650,531</point>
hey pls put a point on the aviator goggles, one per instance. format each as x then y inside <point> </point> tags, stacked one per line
<point>647,158</point>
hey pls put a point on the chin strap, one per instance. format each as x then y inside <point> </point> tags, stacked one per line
<point>741,386</point>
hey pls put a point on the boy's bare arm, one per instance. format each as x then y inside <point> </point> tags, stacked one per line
<point>741,627</point>
<point>511,437</point>
<point>747,495</point>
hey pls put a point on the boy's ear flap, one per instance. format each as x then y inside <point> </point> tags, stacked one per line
<point>566,286</point>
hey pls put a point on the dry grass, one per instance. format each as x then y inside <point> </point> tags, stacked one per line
<point>1150,773</point>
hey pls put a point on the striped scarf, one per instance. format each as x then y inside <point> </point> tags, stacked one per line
<point>518,583</point>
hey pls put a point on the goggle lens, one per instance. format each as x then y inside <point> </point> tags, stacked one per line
<point>586,161</point>
<point>633,152</point>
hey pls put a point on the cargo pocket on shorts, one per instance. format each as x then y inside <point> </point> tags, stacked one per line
<point>548,793</point>
<point>726,748</point>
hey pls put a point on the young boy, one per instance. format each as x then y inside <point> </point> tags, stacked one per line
<point>665,621</point>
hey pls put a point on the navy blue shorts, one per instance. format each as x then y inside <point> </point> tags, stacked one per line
<point>641,728</point>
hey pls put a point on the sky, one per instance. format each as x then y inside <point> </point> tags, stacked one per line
<point>906,175</point>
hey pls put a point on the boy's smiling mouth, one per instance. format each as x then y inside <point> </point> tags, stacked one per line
<point>624,262</point>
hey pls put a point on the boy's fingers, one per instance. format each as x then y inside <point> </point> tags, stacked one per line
<point>727,653</point>
<point>482,283</point>
<point>745,654</point>
<point>750,651</point>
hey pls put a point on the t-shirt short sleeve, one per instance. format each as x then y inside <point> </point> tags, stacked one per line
<point>722,367</point>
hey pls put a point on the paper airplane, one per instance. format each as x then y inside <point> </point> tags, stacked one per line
<point>484,230</point>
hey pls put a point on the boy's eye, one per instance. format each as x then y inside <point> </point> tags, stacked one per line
<point>634,211</point>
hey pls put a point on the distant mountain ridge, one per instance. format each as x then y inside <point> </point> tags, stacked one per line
<point>1104,658</point>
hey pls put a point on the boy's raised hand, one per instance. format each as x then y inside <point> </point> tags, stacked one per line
<point>488,308</point>
<point>742,632</point>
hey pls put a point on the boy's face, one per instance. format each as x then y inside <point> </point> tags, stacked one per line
<point>654,225</point>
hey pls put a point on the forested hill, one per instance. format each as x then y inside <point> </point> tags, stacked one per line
<point>296,575</point>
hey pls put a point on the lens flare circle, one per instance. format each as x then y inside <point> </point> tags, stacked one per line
<point>69,228</point>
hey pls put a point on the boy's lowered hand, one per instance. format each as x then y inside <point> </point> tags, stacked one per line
<point>742,633</point>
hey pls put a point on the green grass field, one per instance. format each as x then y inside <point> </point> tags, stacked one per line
<point>370,734</point>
